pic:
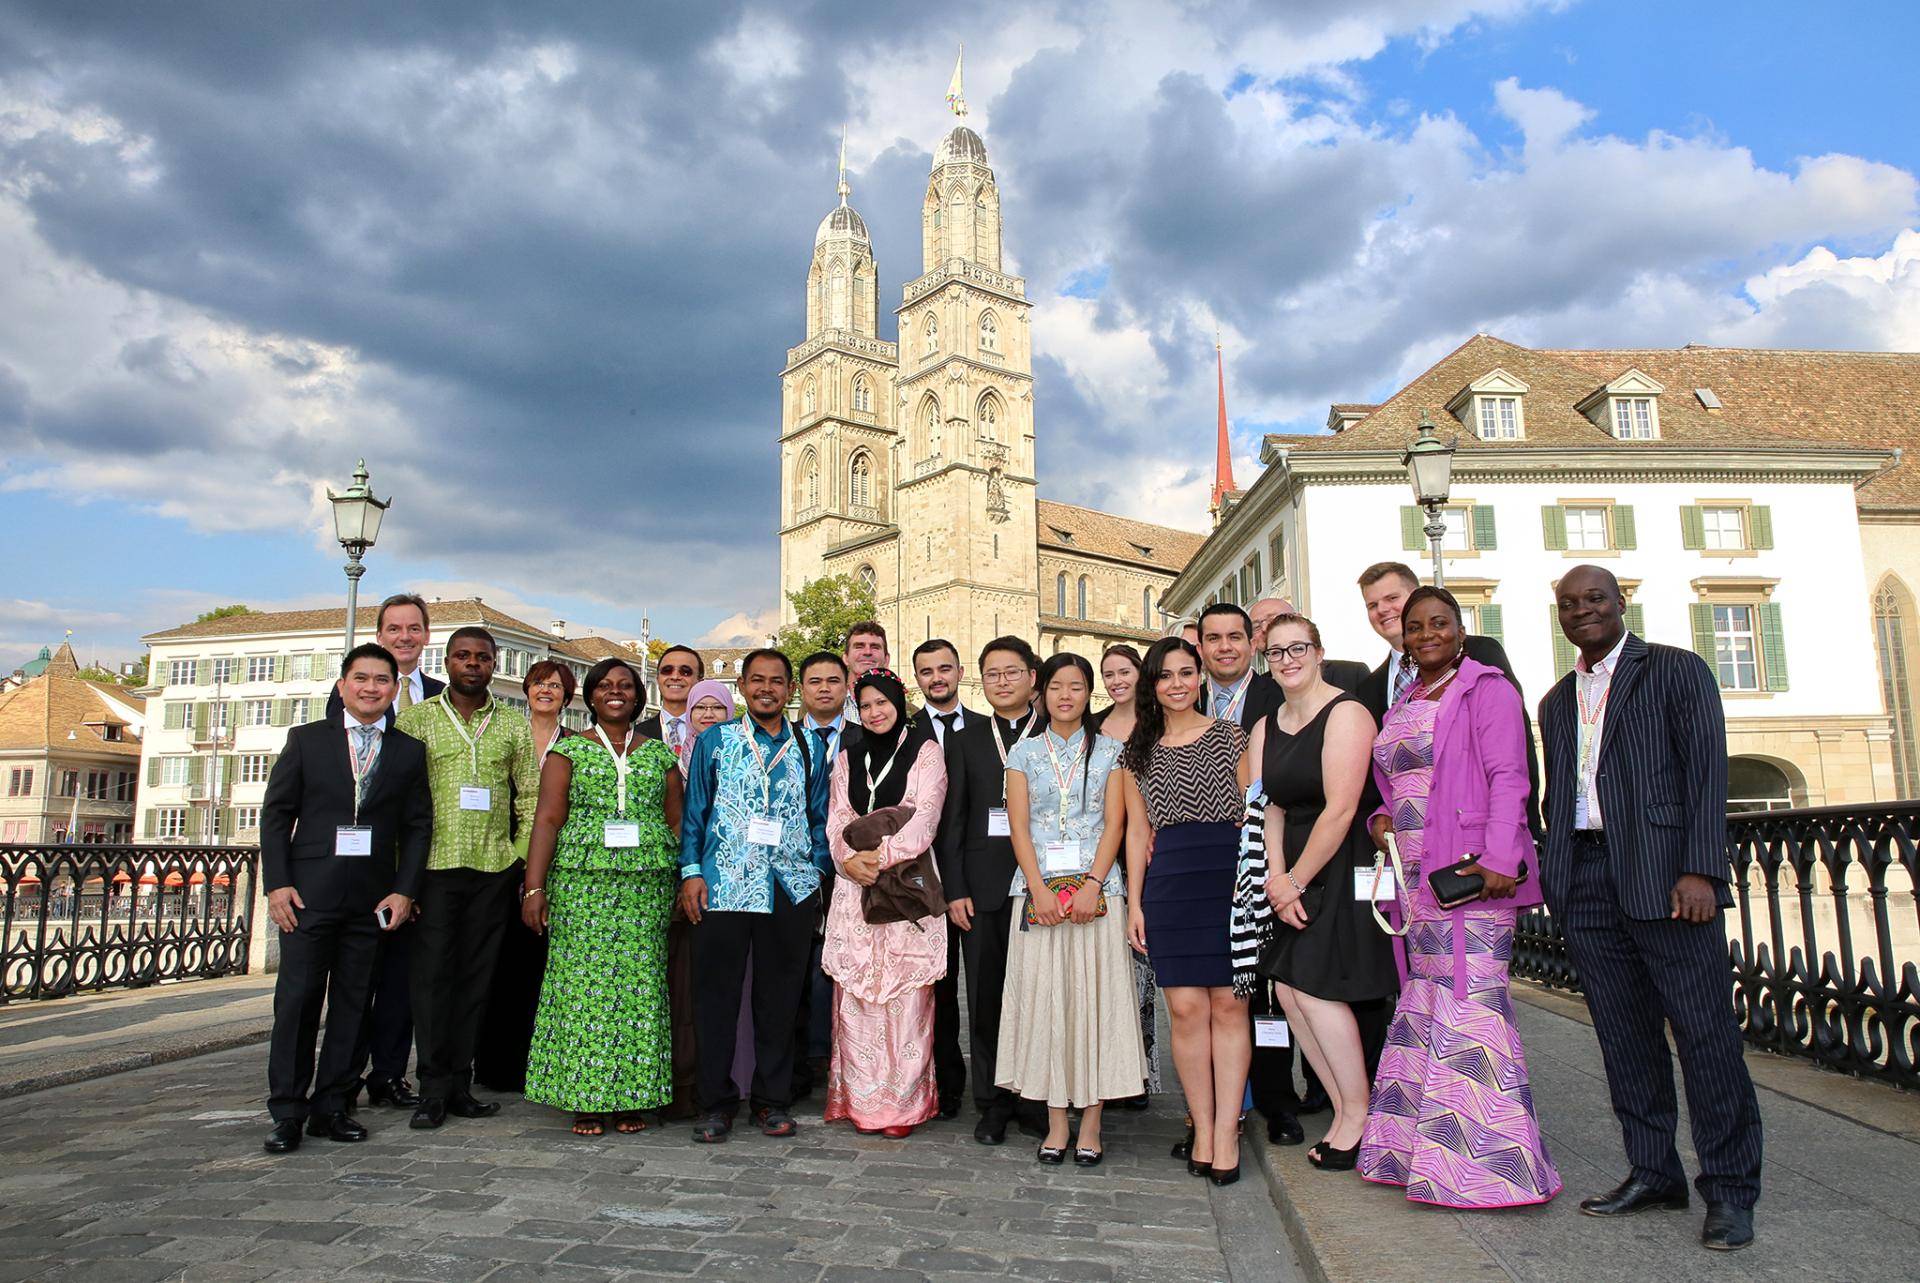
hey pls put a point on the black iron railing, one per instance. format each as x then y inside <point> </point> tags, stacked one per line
<point>79,918</point>
<point>1810,886</point>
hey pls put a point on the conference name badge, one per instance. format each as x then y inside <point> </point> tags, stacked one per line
<point>763,830</point>
<point>997,825</point>
<point>475,798</point>
<point>1271,1031</point>
<point>1364,890</point>
<point>1058,859</point>
<point>622,833</point>
<point>353,840</point>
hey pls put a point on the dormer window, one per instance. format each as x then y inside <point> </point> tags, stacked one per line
<point>1628,407</point>
<point>1064,536</point>
<point>1493,406</point>
<point>1633,418</point>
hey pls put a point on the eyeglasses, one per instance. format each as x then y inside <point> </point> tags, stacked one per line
<point>550,684</point>
<point>669,670</point>
<point>1297,650</point>
<point>998,675</point>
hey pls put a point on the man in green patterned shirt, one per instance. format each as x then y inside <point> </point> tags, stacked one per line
<point>485,779</point>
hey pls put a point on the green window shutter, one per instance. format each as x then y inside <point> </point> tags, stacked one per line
<point>282,709</point>
<point>151,824</point>
<point>196,770</point>
<point>1773,646</point>
<point>1760,526</point>
<point>1483,527</point>
<point>1623,532</point>
<point>176,715</point>
<point>201,716</point>
<point>153,774</point>
<point>280,668</point>
<point>1553,526</point>
<point>1636,620</point>
<point>202,672</point>
<point>1562,648</point>
<point>1490,623</point>
<point>1693,528</point>
<point>1412,537</point>
<point>1701,615</point>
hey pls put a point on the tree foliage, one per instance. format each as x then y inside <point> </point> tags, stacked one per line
<point>824,609</point>
<point>221,612</point>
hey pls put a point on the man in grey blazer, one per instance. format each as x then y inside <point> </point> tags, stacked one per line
<point>1636,871</point>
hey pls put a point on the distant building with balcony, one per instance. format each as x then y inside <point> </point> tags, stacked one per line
<point>1730,490</point>
<point>69,756</point>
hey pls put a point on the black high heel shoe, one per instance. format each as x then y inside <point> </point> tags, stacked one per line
<point>1184,1148</point>
<point>1051,1156</point>
<point>1226,1176</point>
<point>1199,1169</point>
<point>1328,1159</point>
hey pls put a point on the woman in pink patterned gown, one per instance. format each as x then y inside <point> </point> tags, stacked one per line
<point>881,1074</point>
<point>1451,1118</point>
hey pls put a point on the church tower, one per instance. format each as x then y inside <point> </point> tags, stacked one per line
<point>836,413</point>
<point>965,413</point>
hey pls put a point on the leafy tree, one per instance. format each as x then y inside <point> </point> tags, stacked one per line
<point>221,612</point>
<point>138,677</point>
<point>823,610</point>
<point>656,648</point>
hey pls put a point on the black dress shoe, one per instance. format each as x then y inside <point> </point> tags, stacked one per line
<point>1728,1228</point>
<point>465,1106</point>
<point>1051,1156</point>
<point>1183,1148</point>
<point>397,1092</point>
<point>1635,1195</point>
<point>1285,1129</point>
<point>285,1136</point>
<point>992,1127</point>
<point>428,1114</point>
<point>336,1126</point>
<point>949,1107</point>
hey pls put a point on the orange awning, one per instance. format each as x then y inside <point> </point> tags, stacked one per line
<point>197,878</point>
<point>221,880</point>
<point>121,877</point>
<point>173,880</point>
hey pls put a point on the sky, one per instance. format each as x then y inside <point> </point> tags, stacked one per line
<point>540,264</point>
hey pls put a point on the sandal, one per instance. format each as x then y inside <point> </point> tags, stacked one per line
<point>631,1122</point>
<point>589,1125</point>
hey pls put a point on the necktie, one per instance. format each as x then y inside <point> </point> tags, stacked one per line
<point>825,735</point>
<point>364,754</point>
<point>673,734</point>
<point>947,720</point>
<point>1402,678</point>
<point>406,690</point>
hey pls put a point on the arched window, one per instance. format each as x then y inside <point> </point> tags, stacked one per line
<point>1060,595</point>
<point>987,417</point>
<point>809,397</point>
<point>929,336</point>
<point>1082,602</point>
<point>929,427</point>
<point>1763,784</point>
<point>869,580</point>
<point>1146,607</point>
<point>989,333</point>
<point>860,480</point>
<point>1892,619</point>
<point>862,394</point>
<point>806,490</point>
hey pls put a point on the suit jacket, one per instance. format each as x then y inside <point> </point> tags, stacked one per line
<point>974,865</point>
<point>310,794</point>
<point>925,718</point>
<point>850,734</point>
<point>1661,776</point>
<point>336,710</point>
<point>1481,650</point>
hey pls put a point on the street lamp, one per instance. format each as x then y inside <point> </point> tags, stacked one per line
<point>1429,464</point>
<point>356,524</point>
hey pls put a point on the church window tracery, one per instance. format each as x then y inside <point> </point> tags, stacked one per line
<point>989,333</point>
<point>860,480</point>
<point>862,394</point>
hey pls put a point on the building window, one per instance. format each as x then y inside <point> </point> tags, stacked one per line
<point>930,428</point>
<point>175,770</point>
<point>1459,536</point>
<point>224,669</point>
<point>1736,648</point>
<point>255,767</point>
<point>1587,529</point>
<point>69,784</point>
<point>1499,418</point>
<point>257,712</point>
<point>860,480</point>
<point>862,395</point>
<point>1146,607</point>
<point>260,668</point>
<point>246,819</point>
<point>170,822</point>
<point>869,580</point>
<point>20,782</point>
<point>1724,529</point>
<point>1633,418</point>
<point>1060,594</point>
<point>433,659</point>
<point>1892,609</point>
<point>987,419</point>
<point>807,493</point>
<point>180,672</point>
<point>1081,596</point>
<point>929,336</point>
<point>809,397</point>
<point>301,710</point>
<point>1277,557</point>
<point>989,333</point>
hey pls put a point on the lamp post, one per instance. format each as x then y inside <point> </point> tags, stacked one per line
<point>1429,464</point>
<point>356,524</point>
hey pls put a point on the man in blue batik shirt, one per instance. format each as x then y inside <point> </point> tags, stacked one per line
<point>753,851</point>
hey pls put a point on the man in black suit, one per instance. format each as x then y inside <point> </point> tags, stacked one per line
<point>344,832</point>
<point>977,865</point>
<point>937,671</point>
<point>676,671</point>
<point>386,1035</point>
<point>1636,871</point>
<point>822,729</point>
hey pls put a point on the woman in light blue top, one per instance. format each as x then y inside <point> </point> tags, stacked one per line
<point>1069,1033</point>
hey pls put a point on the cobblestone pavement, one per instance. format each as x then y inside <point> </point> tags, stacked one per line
<point>158,1174</point>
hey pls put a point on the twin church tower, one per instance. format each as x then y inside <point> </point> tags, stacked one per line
<point>911,465</point>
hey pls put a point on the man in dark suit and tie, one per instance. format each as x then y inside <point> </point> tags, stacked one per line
<point>937,671</point>
<point>386,1035</point>
<point>344,833</point>
<point>1636,871</point>
<point>977,865</point>
<point>822,729</point>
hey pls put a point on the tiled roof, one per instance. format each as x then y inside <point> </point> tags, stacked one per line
<point>43,712</point>
<point>1097,628</point>
<point>447,615</point>
<point>1835,400</point>
<point>1105,535</point>
<point>596,648</point>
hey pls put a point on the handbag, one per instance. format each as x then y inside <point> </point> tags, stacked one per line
<point>1062,889</point>
<point>904,892</point>
<point>1460,883</point>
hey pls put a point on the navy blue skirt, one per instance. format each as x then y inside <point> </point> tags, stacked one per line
<point>1187,901</point>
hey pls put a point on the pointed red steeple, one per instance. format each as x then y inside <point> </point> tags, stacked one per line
<point>1223,456</point>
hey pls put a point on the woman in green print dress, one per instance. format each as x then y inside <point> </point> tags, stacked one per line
<point>600,878</point>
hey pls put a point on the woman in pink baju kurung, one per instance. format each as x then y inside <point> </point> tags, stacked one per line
<point>881,1076</point>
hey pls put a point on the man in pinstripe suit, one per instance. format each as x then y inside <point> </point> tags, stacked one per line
<point>1636,870</point>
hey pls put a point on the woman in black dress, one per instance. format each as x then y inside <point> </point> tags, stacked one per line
<point>1314,755</point>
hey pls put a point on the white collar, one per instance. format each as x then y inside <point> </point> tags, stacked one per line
<point>379,724</point>
<point>1606,666</point>
<point>836,724</point>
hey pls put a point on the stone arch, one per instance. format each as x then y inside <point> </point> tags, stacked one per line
<point>1760,783</point>
<point>862,394</point>
<point>989,331</point>
<point>988,415</point>
<point>860,480</point>
<point>927,427</point>
<point>806,481</point>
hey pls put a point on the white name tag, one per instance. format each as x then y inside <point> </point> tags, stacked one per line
<point>1580,820</point>
<point>1363,889</point>
<point>622,833</point>
<point>1058,859</point>
<point>997,825</point>
<point>475,798</point>
<point>763,830</point>
<point>351,839</point>
<point>1271,1031</point>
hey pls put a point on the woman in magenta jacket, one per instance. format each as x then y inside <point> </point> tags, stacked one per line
<point>1451,1117</point>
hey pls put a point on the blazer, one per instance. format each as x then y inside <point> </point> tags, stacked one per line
<point>1476,803</point>
<point>336,710</point>
<point>310,794</point>
<point>973,865</point>
<point>850,733</point>
<point>1484,650</point>
<point>1661,776</point>
<point>925,718</point>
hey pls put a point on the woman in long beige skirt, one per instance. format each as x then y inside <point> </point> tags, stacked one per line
<point>1069,1029</point>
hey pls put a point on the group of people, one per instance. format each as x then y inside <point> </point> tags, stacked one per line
<point>738,906</point>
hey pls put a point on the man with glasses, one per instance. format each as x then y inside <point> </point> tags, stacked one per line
<point>677,669</point>
<point>977,865</point>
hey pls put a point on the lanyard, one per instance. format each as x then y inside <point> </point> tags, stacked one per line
<point>473,739</point>
<point>766,767</point>
<point>550,743</point>
<point>1590,725</point>
<point>1064,778</point>
<point>1232,711</point>
<point>361,764</point>
<point>621,766</point>
<point>1001,747</point>
<point>873,781</point>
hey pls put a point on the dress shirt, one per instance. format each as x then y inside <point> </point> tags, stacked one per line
<point>834,730</point>
<point>1220,698</point>
<point>941,725</point>
<point>699,835</point>
<point>509,769</point>
<point>673,729</point>
<point>1590,689</point>
<point>378,726</point>
<point>1400,675</point>
<point>416,689</point>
